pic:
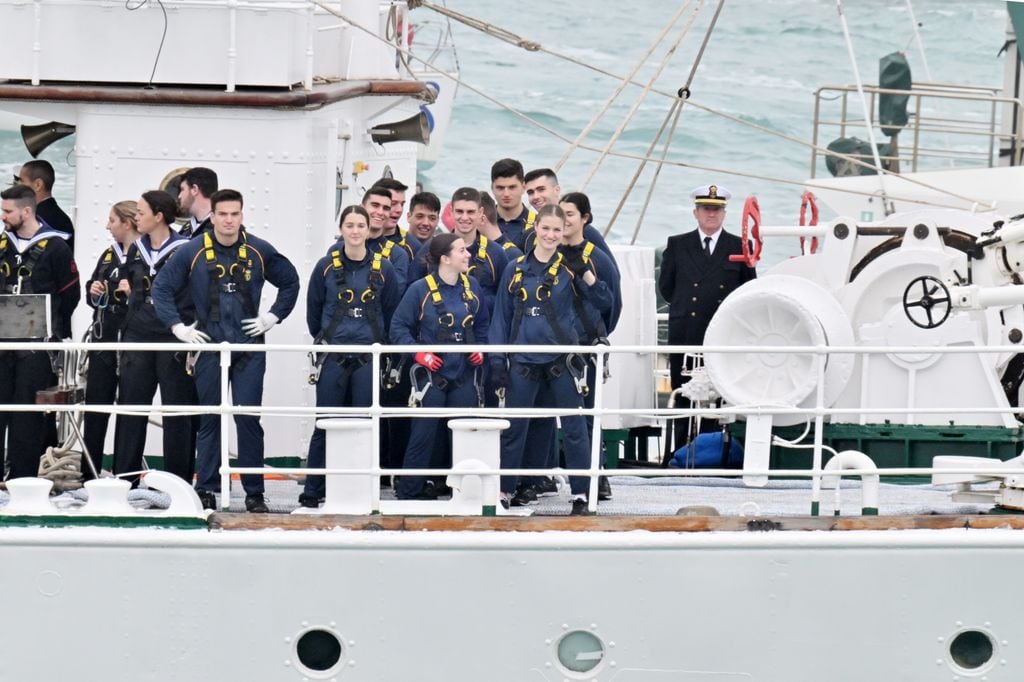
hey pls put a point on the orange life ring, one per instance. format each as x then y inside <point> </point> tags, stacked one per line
<point>808,198</point>
<point>751,232</point>
<point>447,218</point>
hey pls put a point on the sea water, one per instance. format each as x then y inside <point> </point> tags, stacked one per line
<point>762,64</point>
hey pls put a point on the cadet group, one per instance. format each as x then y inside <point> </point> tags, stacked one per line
<point>505,273</point>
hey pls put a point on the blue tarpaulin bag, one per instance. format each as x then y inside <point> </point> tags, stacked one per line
<point>709,451</point>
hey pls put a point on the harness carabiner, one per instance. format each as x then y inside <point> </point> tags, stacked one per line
<point>351,296</point>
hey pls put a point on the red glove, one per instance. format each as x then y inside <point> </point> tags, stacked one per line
<point>476,359</point>
<point>430,361</point>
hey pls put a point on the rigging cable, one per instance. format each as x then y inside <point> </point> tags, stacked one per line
<point>533,46</point>
<point>684,94</point>
<point>639,100</point>
<point>886,202</point>
<point>680,164</point>
<point>621,86</point>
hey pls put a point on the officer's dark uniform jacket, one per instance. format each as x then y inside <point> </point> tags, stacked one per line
<point>455,314</point>
<point>49,212</point>
<point>542,319</point>
<point>695,285</point>
<point>515,230</point>
<point>110,308</point>
<point>141,270</point>
<point>224,284</point>
<point>194,228</point>
<point>398,255</point>
<point>45,265</point>
<point>597,316</point>
<point>366,289</point>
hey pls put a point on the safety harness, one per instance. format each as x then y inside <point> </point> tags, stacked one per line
<point>343,308</point>
<point>25,264</point>
<point>542,295</point>
<point>596,332</point>
<point>445,320</point>
<point>238,277</point>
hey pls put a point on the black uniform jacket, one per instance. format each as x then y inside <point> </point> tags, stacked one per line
<point>695,285</point>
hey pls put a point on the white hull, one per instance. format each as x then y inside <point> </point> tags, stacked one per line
<point>176,604</point>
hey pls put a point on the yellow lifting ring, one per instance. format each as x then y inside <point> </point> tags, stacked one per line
<point>220,271</point>
<point>543,288</point>
<point>447,321</point>
<point>523,295</point>
<point>367,296</point>
<point>351,295</point>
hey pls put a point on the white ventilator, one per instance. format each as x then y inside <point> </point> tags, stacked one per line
<point>777,311</point>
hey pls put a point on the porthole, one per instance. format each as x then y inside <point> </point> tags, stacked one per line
<point>319,653</point>
<point>580,654</point>
<point>972,651</point>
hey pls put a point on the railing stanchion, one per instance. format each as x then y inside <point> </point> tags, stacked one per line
<point>819,427</point>
<point>225,427</point>
<point>375,415</point>
<point>595,437</point>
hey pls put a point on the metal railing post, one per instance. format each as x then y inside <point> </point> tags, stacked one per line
<point>225,426</point>
<point>596,440</point>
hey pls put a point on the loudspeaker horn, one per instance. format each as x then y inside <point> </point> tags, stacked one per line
<point>39,137</point>
<point>413,129</point>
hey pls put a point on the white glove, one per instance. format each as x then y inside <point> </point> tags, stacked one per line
<point>187,333</point>
<point>257,326</point>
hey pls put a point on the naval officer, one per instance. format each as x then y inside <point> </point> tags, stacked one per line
<point>697,275</point>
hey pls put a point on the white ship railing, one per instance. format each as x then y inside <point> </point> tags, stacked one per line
<point>816,413</point>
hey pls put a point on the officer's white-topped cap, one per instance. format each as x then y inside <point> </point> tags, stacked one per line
<point>710,195</point>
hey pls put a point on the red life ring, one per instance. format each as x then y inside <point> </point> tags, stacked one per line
<point>447,218</point>
<point>808,198</point>
<point>751,214</point>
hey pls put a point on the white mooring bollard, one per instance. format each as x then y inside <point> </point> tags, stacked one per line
<point>349,446</point>
<point>29,497</point>
<point>476,445</point>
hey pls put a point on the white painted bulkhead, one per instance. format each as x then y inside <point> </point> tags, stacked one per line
<point>288,164</point>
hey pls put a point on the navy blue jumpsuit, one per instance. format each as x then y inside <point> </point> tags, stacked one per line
<point>347,303</point>
<point>224,285</point>
<point>535,306</point>
<point>455,314</point>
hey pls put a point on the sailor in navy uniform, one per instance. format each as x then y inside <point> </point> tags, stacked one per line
<point>596,318</point>
<point>109,311</point>
<point>196,187</point>
<point>444,308</point>
<point>141,372</point>
<point>351,297</point>
<point>34,259</point>
<point>697,275</point>
<point>223,272</point>
<point>377,202</point>
<point>536,305</point>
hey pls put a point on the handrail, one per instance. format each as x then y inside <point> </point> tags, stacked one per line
<point>985,124</point>
<point>376,411</point>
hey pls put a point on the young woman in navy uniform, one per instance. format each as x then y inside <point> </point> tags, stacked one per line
<point>142,371</point>
<point>109,310</point>
<point>442,309</point>
<point>350,300</point>
<point>536,305</point>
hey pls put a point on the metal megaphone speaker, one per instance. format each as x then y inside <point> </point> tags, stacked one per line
<point>39,137</point>
<point>413,129</point>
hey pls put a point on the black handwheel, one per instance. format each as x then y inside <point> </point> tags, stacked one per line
<point>926,302</point>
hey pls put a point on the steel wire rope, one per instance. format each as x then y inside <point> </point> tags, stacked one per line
<point>621,86</point>
<point>678,164</point>
<point>640,99</point>
<point>684,93</point>
<point>163,36</point>
<point>533,46</point>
